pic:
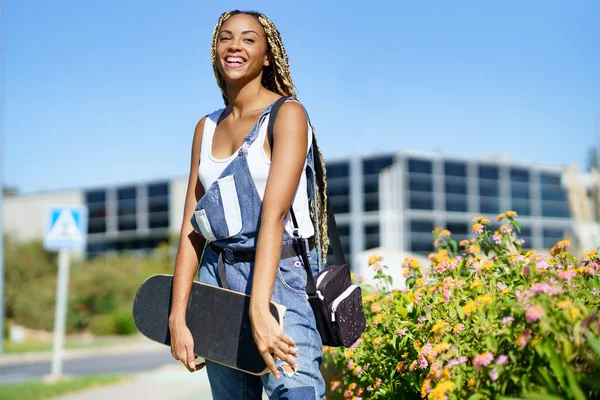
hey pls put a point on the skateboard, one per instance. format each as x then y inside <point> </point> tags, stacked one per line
<point>218,319</point>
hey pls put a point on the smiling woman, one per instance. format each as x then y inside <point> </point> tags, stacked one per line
<point>252,202</point>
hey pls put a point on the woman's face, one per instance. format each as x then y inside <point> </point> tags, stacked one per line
<point>241,48</point>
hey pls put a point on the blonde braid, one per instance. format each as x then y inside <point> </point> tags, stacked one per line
<point>277,78</point>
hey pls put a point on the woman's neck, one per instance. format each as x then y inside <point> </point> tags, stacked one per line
<point>245,99</point>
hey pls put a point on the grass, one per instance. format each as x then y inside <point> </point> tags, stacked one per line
<point>46,345</point>
<point>35,390</point>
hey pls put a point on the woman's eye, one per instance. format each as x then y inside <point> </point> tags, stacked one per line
<point>249,40</point>
<point>223,39</point>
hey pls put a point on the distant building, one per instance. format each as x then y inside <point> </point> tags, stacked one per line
<point>383,200</point>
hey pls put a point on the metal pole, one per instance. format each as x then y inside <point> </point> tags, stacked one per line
<point>60,313</point>
<point>1,195</point>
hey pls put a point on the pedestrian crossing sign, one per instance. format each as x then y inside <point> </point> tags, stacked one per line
<point>66,228</point>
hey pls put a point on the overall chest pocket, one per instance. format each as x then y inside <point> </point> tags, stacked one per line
<point>218,215</point>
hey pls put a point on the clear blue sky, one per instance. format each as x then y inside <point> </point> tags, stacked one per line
<point>109,92</point>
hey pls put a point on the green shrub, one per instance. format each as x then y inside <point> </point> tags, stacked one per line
<point>124,324</point>
<point>486,320</point>
<point>102,325</point>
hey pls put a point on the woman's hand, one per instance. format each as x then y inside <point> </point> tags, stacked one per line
<point>272,343</point>
<point>182,347</point>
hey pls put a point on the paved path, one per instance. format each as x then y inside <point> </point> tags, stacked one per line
<point>172,382</point>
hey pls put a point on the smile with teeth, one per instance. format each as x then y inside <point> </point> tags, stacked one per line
<point>234,61</point>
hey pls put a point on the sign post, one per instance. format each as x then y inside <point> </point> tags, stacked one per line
<point>66,228</point>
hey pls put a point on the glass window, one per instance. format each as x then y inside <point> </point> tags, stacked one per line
<point>95,196</point>
<point>554,193</point>
<point>96,225</point>
<point>421,226</point>
<point>489,205</point>
<point>96,210</point>
<point>552,179</point>
<point>554,209</point>
<point>519,175</point>
<point>338,170</point>
<point>458,228</point>
<point>421,245</point>
<point>158,204</point>
<point>456,187</point>
<point>420,201</point>
<point>420,166</point>
<point>158,189</point>
<point>372,236</point>
<point>489,188</point>
<point>371,202</point>
<point>338,187</point>
<point>344,230</point>
<point>488,172</point>
<point>340,204</point>
<point>522,207</point>
<point>374,165</point>
<point>552,236</point>
<point>456,203</point>
<point>420,184</point>
<point>519,191</point>
<point>158,220</point>
<point>371,183</point>
<point>127,223</point>
<point>126,193</point>
<point>126,207</point>
<point>455,169</point>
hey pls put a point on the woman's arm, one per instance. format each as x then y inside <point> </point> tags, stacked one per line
<point>189,251</point>
<point>287,163</point>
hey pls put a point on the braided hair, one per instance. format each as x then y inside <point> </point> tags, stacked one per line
<point>277,78</point>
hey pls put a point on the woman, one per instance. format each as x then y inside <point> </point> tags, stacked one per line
<point>242,184</point>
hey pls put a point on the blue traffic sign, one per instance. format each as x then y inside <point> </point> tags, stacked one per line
<point>66,228</point>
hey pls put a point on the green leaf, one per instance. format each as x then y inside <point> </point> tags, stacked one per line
<point>549,381</point>
<point>556,365</point>
<point>476,396</point>
<point>574,386</point>
<point>516,224</point>
<point>593,342</point>
<point>545,396</point>
<point>454,246</point>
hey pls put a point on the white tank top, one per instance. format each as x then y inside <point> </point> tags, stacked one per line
<point>211,168</point>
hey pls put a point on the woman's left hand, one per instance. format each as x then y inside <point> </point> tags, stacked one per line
<point>271,341</point>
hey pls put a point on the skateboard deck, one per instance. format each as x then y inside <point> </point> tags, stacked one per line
<point>218,319</point>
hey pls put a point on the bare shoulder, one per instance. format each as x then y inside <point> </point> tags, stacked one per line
<point>291,114</point>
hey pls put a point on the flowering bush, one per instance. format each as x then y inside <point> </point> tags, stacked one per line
<point>487,320</point>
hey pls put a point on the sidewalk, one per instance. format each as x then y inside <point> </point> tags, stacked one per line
<point>172,382</point>
<point>131,345</point>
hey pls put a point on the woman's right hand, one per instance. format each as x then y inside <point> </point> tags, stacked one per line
<point>182,347</point>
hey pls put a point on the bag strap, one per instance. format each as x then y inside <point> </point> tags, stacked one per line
<point>334,237</point>
<point>332,230</point>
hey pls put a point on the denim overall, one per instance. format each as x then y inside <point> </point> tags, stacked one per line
<point>228,216</point>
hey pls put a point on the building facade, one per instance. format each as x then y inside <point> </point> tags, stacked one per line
<point>389,200</point>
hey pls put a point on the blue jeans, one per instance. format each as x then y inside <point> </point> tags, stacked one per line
<point>299,323</point>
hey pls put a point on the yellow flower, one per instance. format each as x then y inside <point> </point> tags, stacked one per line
<point>481,220</point>
<point>484,299</point>
<point>349,353</point>
<point>477,229</point>
<point>505,292</point>
<point>445,373</point>
<point>591,254</point>
<point>425,387</point>
<point>414,263</point>
<point>500,217</point>
<point>374,258</point>
<point>469,307</point>
<point>334,385</point>
<point>417,344</point>
<point>487,265</point>
<point>511,214</point>
<point>420,282</point>
<point>405,354</point>
<point>352,386</point>
<point>474,249</point>
<point>439,325</point>
<point>475,283</point>
<point>471,382</point>
<point>405,272</point>
<point>563,304</point>
<point>574,312</point>
<point>439,392</point>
